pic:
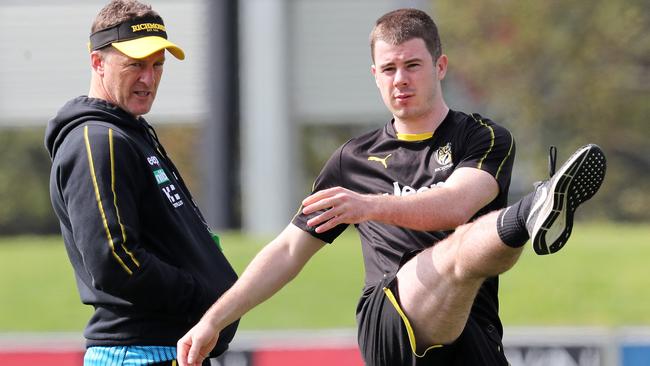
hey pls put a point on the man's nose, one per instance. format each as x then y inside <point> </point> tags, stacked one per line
<point>148,76</point>
<point>401,78</point>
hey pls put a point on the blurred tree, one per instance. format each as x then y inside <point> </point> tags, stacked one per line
<point>25,170</point>
<point>564,73</point>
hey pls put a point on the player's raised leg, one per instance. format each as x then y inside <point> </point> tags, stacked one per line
<point>437,287</point>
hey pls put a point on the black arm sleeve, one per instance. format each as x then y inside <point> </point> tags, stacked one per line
<point>330,176</point>
<point>491,148</point>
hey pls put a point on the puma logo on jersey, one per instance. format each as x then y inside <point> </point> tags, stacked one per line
<point>381,160</point>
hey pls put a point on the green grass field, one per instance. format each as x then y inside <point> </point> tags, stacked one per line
<point>600,278</point>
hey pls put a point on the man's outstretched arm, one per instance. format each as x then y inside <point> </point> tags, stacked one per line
<point>272,268</point>
<point>465,192</point>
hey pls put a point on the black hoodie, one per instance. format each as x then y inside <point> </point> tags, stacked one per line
<point>142,254</point>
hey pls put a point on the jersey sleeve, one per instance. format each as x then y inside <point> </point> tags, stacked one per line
<point>329,177</point>
<point>491,148</point>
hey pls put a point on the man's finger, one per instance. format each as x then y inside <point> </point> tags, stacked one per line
<point>326,226</point>
<point>194,355</point>
<point>319,196</point>
<point>181,349</point>
<point>315,206</point>
<point>322,218</point>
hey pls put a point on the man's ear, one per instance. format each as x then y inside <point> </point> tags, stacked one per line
<point>97,60</point>
<point>441,66</point>
<point>373,71</point>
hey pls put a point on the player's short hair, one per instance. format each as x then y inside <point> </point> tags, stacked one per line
<point>119,11</point>
<point>399,26</point>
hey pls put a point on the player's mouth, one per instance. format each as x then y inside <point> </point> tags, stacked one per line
<point>402,97</point>
<point>142,93</point>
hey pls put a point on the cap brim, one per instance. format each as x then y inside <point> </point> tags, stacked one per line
<point>145,46</point>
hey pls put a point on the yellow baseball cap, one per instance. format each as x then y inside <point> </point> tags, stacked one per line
<point>136,38</point>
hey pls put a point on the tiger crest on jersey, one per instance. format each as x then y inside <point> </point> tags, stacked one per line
<point>443,154</point>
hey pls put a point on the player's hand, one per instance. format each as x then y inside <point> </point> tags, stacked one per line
<point>342,206</point>
<point>196,345</point>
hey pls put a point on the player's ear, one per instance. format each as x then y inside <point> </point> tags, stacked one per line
<point>441,66</point>
<point>373,71</point>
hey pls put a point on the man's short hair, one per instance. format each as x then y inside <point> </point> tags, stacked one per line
<point>399,26</point>
<point>118,11</point>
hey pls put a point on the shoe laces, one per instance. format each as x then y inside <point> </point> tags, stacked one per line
<point>552,159</point>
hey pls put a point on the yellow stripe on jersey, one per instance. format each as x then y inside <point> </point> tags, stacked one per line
<point>117,211</point>
<point>414,136</point>
<point>100,206</point>
<point>512,143</point>
<point>409,329</point>
<point>480,162</point>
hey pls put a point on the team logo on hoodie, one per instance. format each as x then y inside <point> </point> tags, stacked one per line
<point>160,176</point>
<point>162,179</point>
<point>173,197</point>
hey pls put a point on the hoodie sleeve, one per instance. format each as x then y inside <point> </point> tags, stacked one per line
<point>100,183</point>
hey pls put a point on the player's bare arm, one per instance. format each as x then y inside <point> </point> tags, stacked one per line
<point>272,268</point>
<point>465,192</point>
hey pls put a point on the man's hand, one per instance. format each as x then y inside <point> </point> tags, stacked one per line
<point>342,207</point>
<point>196,345</point>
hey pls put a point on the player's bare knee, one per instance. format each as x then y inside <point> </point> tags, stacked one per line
<point>461,270</point>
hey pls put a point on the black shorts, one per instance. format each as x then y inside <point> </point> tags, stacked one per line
<point>385,338</point>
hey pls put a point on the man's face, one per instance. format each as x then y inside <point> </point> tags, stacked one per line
<point>407,78</point>
<point>131,83</point>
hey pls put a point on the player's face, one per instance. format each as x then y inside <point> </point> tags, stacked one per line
<point>408,78</point>
<point>132,83</point>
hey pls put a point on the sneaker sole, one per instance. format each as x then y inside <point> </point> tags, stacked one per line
<point>578,180</point>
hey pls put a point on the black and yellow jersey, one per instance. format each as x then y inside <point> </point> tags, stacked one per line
<point>381,162</point>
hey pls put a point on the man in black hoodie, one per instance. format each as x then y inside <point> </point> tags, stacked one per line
<point>143,255</point>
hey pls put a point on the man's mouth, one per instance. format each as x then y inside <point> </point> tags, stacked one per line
<point>402,97</point>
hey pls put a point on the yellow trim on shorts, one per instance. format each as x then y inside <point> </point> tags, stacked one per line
<point>409,329</point>
<point>414,136</point>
